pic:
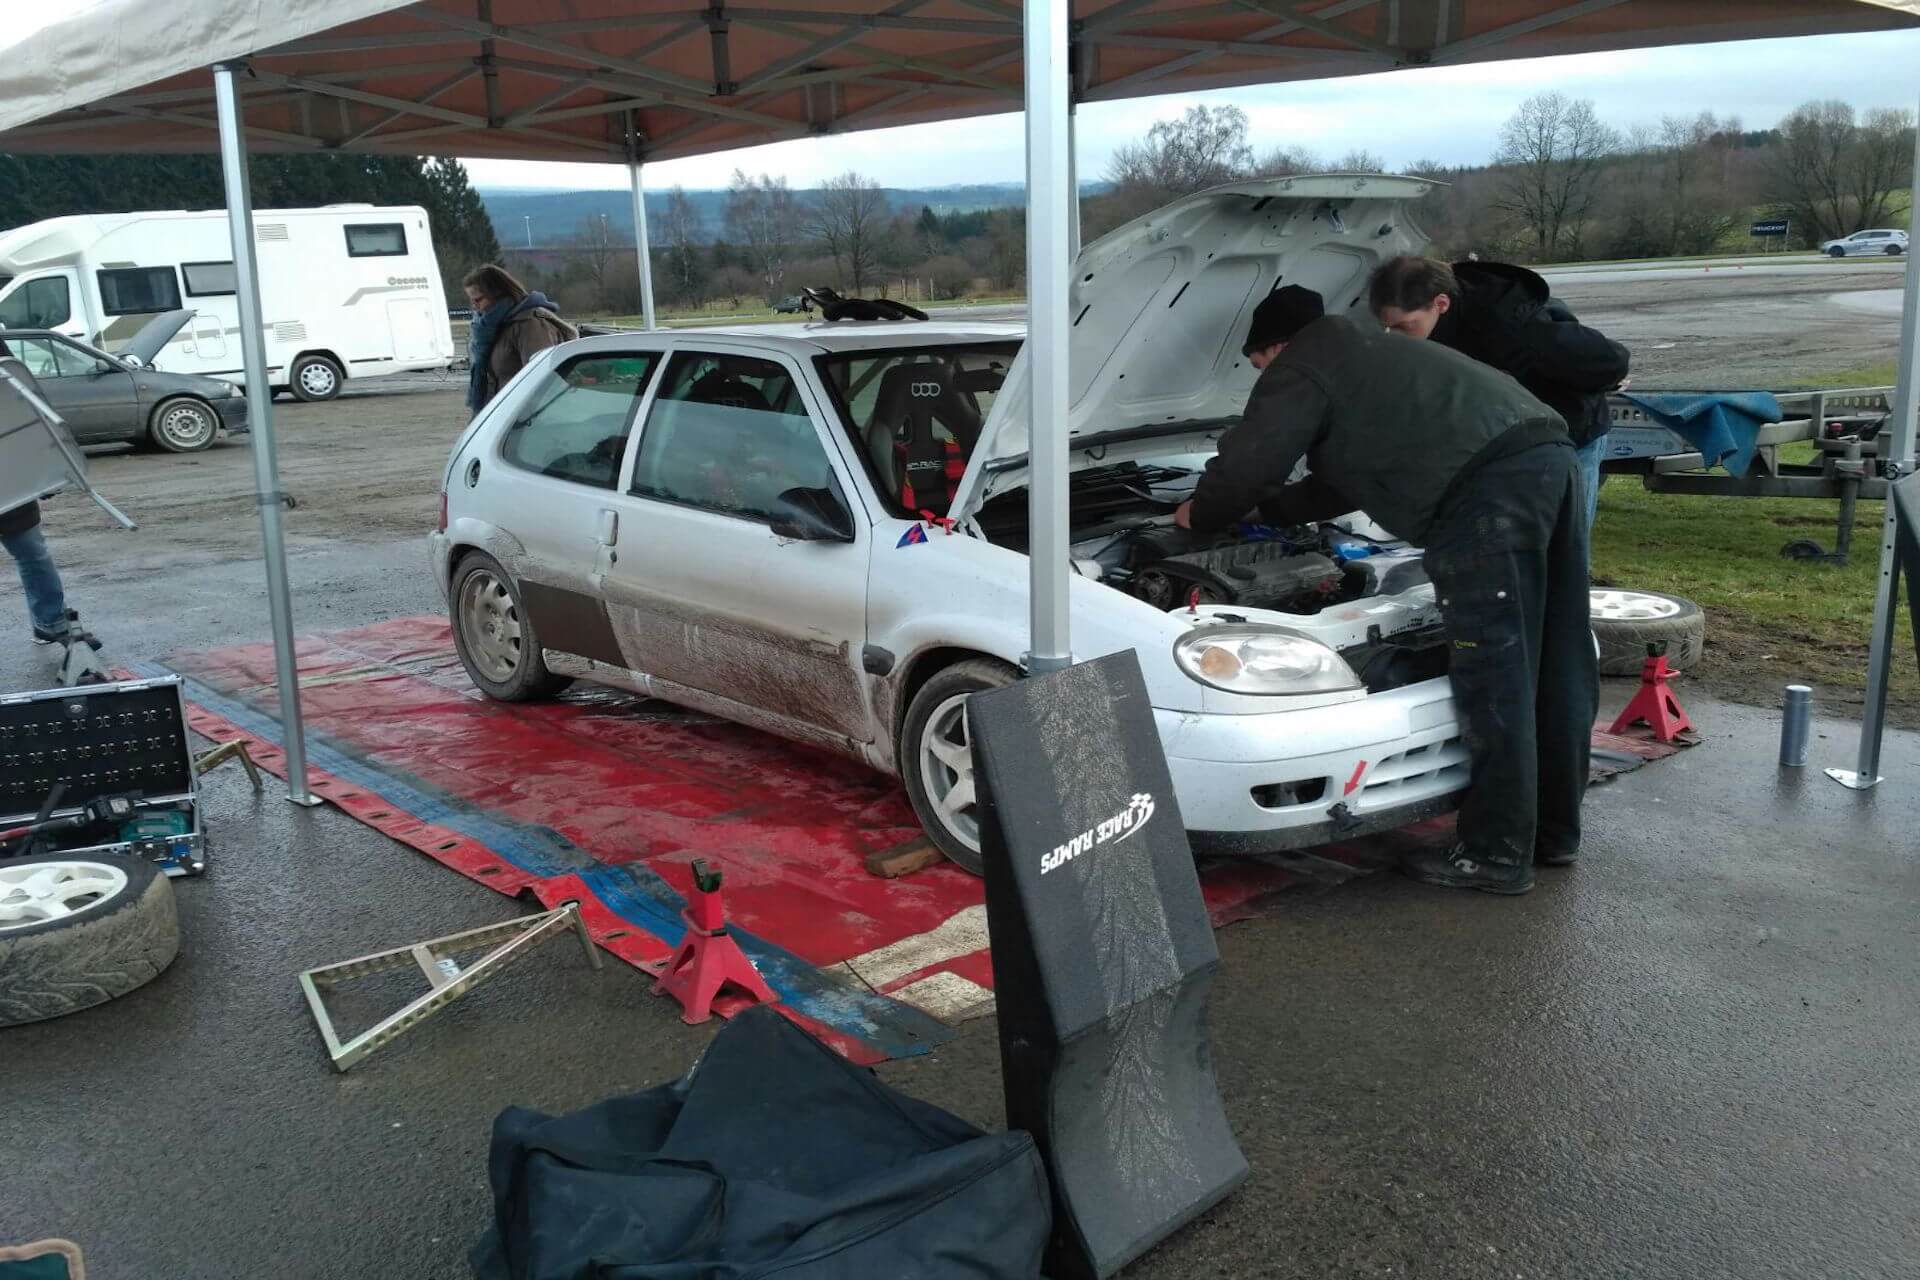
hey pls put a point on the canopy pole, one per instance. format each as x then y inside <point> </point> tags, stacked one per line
<point>1049,205</point>
<point>1073,181</point>
<point>1897,450</point>
<point>642,253</point>
<point>266,459</point>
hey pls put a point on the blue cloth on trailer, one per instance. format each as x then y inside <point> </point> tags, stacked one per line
<point>1723,425</point>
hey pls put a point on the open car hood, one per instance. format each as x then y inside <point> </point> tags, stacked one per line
<point>1160,307</point>
<point>145,345</point>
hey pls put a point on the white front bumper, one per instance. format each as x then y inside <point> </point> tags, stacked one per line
<point>1293,778</point>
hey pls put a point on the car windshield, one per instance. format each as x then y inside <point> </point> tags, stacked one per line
<point>914,415</point>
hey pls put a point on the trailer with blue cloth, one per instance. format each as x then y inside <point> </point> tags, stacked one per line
<point>1674,439</point>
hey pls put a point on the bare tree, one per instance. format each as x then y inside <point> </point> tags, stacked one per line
<point>1204,148</point>
<point>1283,162</point>
<point>760,217</point>
<point>850,219</point>
<point>680,241</point>
<point>1835,175</point>
<point>1360,160</point>
<point>596,251</point>
<point>1552,150</point>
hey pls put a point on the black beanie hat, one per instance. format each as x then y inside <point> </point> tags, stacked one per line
<point>1280,315</point>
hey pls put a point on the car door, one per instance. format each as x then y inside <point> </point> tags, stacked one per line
<point>549,481</point>
<point>94,395</point>
<point>703,592</point>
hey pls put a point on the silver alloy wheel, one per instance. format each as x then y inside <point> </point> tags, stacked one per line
<point>40,892</point>
<point>1630,606</point>
<point>187,426</point>
<point>490,624</point>
<point>318,379</point>
<point>946,769</point>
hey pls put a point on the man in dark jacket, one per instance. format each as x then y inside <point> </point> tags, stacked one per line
<point>1504,316</point>
<point>1457,457</point>
<point>20,535</point>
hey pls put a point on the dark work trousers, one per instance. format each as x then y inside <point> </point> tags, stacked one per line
<point>1508,559</point>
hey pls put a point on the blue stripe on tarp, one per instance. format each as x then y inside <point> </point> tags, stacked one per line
<point>633,891</point>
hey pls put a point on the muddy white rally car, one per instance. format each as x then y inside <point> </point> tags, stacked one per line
<point>820,529</point>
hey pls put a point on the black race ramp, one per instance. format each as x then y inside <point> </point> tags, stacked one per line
<point>1102,962</point>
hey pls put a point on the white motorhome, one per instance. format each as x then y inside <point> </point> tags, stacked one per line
<point>346,291</point>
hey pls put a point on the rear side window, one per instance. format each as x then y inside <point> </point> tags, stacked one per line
<point>377,240</point>
<point>577,420</point>
<point>138,291</point>
<point>208,279</point>
<point>38,304</point>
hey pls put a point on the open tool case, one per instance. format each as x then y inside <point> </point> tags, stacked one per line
<point>117,762</point>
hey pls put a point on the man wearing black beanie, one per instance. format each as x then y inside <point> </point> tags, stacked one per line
<point>1456,457</point>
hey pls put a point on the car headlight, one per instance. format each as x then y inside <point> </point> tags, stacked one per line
<point>1262,660</point>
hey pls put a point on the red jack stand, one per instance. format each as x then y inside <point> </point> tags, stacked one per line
<point>708,958</point>
<point>1655,705</point>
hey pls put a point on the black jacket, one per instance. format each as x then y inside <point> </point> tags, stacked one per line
<point>1386,423</point>
<point>19,520</point>
<point>1505,317</point>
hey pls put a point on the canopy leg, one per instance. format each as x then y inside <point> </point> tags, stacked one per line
<point>266,458</point>
<point>641,251</point>
<point>1050,201</point>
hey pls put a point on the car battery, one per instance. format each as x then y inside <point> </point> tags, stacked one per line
<point>123,741</point>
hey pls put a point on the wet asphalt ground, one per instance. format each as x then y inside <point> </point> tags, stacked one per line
<point>1694,1055</point>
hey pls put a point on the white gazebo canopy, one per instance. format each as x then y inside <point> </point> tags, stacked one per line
<point>640,80</point>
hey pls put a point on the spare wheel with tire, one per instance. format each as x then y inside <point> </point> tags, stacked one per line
<point>1625,622</point>
<point>78,930</point>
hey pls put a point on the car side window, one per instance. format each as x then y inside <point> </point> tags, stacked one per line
<point>577,419</point>
<point>47,358</point>
<point>729,434</point>
<point>38,304</point>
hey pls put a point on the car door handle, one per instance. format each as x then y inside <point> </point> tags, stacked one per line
<point>609,530</point>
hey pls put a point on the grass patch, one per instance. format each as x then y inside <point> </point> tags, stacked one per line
<point>1771,621</point>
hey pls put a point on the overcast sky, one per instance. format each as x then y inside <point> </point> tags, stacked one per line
<point>1450,114</point>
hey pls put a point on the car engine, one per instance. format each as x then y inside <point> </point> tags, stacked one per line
<point>1265,574</point>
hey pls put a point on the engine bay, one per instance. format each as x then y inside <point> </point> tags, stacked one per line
<point>1123,535</point>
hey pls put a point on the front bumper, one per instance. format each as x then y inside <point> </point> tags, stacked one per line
<point>1291,779</point>
<point>233,415</point>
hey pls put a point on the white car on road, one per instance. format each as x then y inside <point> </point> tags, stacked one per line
<point>820,529</point>
<point>1877,243</point>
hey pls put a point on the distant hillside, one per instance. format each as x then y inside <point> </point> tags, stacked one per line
<point>551,217</point>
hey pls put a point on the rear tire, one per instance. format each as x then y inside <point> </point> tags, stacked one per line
<point>494,636</point>
<point>314,379</point>
<point>74,938</point>
<point>1625,622</point>
<point>936,756</point>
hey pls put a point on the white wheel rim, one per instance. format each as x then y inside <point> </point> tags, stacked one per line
<point>187,425</point>
<point>490,624</point>
<point>946,770</point>
<point>317,378</point>
<point>45,891</point>
<point>1632,606</point>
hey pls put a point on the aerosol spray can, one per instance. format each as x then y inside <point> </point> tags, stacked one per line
<point>1796,726</point>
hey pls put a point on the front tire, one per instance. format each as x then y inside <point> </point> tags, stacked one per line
<point>1836,252</point>
<point>494,636</point>
<point>1894,251</point>
<point>314,378</point>
<point>936,756</point>
<point>183,425</point>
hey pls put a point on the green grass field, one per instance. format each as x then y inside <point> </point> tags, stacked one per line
<point>1771,621</point>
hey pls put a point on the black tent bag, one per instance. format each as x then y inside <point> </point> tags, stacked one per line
<point>772,1157</point>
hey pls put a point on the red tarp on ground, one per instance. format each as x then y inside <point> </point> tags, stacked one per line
<point>608,798</point>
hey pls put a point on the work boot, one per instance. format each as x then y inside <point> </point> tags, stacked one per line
<point>1564,855</point>
<point>1456,868</point>
<point>41,636</point>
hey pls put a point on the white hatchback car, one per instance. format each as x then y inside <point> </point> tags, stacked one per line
<point>820,530</point>
<point>1876,243</point>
